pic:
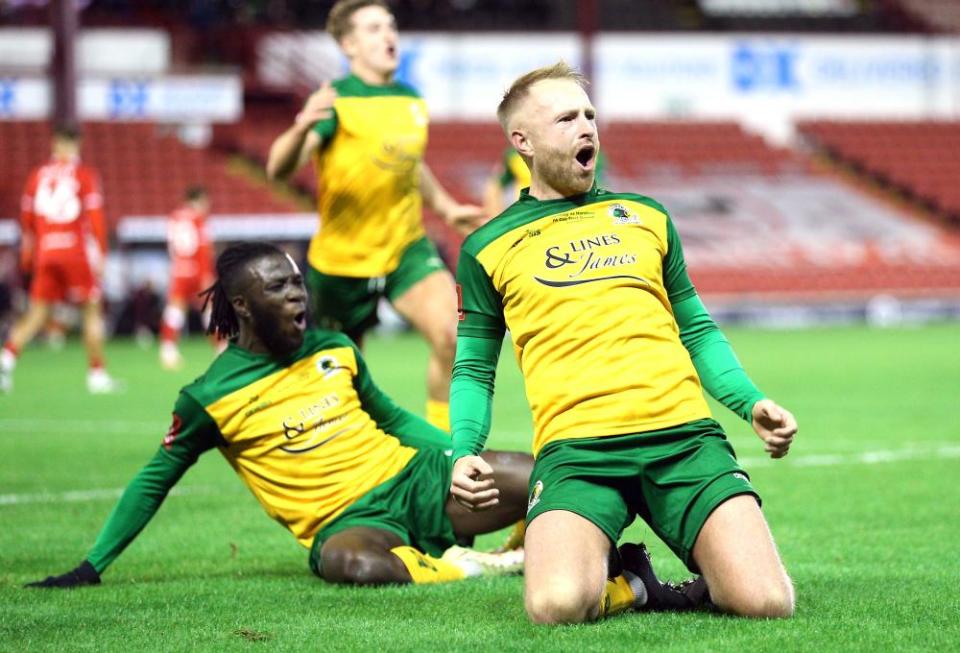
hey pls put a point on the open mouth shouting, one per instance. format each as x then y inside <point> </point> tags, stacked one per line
<point>587,156</point>
<point>300,320</point>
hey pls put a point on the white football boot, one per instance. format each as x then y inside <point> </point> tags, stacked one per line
<point>478,563</point>
<point>7,362</point>
<point>101,383</point>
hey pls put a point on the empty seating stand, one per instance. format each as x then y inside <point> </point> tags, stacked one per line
<point>463,155</point>
<point>144,169</point>
<point>921,160</point>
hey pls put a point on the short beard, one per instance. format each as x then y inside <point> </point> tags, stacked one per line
<point>268,330</point>
<point>564,179</point>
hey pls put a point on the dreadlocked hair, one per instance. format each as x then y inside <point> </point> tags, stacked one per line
<point>230,264</point>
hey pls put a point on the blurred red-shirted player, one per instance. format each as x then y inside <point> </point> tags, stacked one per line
<point>63,243</point>
<point>191,269</point>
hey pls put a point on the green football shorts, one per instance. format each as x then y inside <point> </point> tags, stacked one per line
<point>412,505</point>
<point>673,478</point>
<point>349,304</point>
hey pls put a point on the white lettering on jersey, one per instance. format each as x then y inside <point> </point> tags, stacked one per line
<point>57,199</point>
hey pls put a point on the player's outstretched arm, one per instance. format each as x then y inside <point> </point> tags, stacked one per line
<point>465,218</point>
<point>292,149</point>
<point>139,503</point>
<point>775,425</point>
<point>84,574</point>
<point>412,430</point>
<point>191,433</point>
<point>473,485</point>
<point>493,195</point>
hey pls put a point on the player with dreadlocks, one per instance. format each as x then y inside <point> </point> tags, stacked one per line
<point>360,482</point>
<point>223,320</point>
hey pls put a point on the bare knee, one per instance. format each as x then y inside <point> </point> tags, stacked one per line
<point>354,567</point>
<point>444,344</point>
<point>774,600</point>
<point>561,603</point>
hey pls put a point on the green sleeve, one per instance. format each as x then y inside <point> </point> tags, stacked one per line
<point>327,127</point>
<point>411,430</point>
<point>191,433</point>
<point>479,338</point>
<point>675,277</point>
<point>716,364</point>
<point>479,306</point>
<point>471,393</point>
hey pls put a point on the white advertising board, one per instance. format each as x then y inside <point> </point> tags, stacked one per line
<point>770,81</point>
<point>109,51</point>
<point>767,81</point>
<point>462,76</point>
<point>173,98</point>
<point>764,81</point>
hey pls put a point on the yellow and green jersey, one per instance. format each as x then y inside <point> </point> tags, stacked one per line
<point>514,170</point>
<point>368,179</point>
<point>309,435</point>
<point>603,317</point>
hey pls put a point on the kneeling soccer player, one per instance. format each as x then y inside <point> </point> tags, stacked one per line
<point>358,480</point>
<point>616,350</point>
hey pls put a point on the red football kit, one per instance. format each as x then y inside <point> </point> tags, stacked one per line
<point>62,216</point>
<point>191,254</point>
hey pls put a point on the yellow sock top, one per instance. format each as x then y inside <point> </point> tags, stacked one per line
<point>427,569</point>
<point>617,597</point>
<point>438,414</point>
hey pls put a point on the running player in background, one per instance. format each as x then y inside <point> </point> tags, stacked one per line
<point>511,175</point>
<point>191,270</point>
<point>366,135</point>
<point>63,243</point>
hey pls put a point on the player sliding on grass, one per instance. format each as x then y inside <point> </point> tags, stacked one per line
<point>358,480</point>
<point>614,344</point>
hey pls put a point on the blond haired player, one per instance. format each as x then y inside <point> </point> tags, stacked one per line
<point>366,135</point>
<point>615,348</point>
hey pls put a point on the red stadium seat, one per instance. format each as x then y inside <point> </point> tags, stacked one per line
<point>144,170</point>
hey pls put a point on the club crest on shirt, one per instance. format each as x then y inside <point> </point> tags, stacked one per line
<point>622,215</point>
<point>328,366</point>
<point>535,495</point>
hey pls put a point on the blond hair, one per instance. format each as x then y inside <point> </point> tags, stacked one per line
<point>520,88</point>
<point>340,16</point>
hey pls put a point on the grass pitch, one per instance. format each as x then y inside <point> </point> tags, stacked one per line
<point>865,509</point>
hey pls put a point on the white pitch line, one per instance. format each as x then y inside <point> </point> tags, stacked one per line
<point>858,458</point>
<point>81,425</point>
<point>84,496</point>
<point>810,460</point>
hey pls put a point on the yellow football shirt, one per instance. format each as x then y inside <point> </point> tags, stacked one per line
<point>368,179</point>
<point>584,286</point>
<point>296,434</point>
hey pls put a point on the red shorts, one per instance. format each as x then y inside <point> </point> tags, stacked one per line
<point>186,289</point>
<point>64,280</point>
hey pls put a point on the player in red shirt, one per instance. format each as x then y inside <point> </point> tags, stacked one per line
<point>63,243</point>
<point>191,269</point>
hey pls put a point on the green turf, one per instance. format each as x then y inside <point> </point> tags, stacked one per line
<point>866,511</point>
